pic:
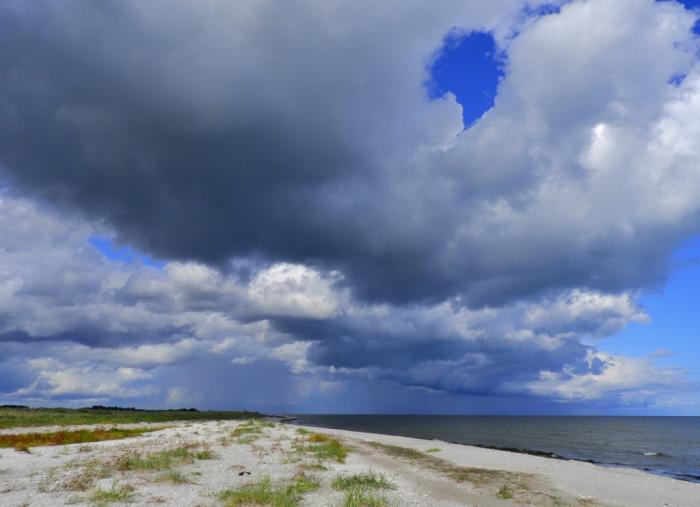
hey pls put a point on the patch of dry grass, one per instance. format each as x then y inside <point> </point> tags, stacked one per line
<point>246,430</point>
<point>116,493</point>
<point>87,476</point>
<point>23,441</point>
<point>159,460</point>
<point>264,492</point>
<point>366,480</point>
<point>318,438</point>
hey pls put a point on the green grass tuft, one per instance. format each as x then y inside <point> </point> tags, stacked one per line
<point>264,493</point>
<point>117,493</point>
<point>172,476</point>
<point>433,449</point>
<point>504,493</point>
<point>304,483</point>
<point>367,480</point>
<point>361,498</point>
<point>331,450</point>
<point>245,430</point>
<point>162,460</point>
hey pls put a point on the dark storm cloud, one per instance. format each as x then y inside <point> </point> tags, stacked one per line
<point>285,132</point>
<point>194,155</point>
<point>447,353</point>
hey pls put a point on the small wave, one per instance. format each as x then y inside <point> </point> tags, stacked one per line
<point>657,454</point>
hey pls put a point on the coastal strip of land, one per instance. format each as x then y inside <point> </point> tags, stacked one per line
<point>259,461</point>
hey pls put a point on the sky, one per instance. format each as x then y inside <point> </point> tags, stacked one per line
<point>458,208</point>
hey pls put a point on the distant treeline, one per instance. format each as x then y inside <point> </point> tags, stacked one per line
<point>103,407</point>
<point>132,409</point>
<point>19,415</point>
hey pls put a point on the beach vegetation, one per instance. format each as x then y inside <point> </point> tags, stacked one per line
<point>303,431</point>
<point>485,477</point>
<point>366,480</point>
<point>331,449</point>
<point>248,439</point>
<point>323,447</point>
<point>504,492</point>
<point>399,452</point>
<point>316,466</point>
<point>363,498</point>
<point>116,493</point>
<point>246,429</point>
<point>433,449</point>
<point>160,460</point>
<point>205,454</point>
<point>305,483</point>
<point>23,441</point>
<point>21,417</point>
<point>88,474</point>
<point>264,492</point>
<point>173,477</point>
<point>318,438</point>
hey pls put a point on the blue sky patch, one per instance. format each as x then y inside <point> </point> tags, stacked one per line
<point>124,254</point>
<point>470,67</point>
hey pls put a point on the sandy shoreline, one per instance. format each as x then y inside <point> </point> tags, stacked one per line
<point>422,472</point>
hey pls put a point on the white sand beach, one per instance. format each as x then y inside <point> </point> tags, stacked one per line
<point>209,458</point>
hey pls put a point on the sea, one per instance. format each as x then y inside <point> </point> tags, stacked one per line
<point>661,445</point>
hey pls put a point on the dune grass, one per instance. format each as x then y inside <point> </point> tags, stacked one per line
<point>24,441</point>
<point>88,474</point>
<point>264,492</point>
<point>331,450</point>
<point>205,454</point>
<point>399,452</point>
<point>364,498</point>
<point>366,480</point>
<point>20,417</point>
<point>360,489</point>
<point>318,438</point>
<point>173,477</point>
<point>322,447</point>
<point>161,460</point>
<point>246,430</point>
<point>117,493</point>
<point>504,492</point>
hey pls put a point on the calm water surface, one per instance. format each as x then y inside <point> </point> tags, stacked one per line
<point>664,445</point>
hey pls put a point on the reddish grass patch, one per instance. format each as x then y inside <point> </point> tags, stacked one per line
<point>23,441</point>
<point>318,438</point>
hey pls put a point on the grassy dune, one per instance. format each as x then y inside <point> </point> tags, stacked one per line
<point>18,417</point>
